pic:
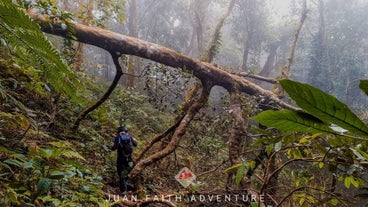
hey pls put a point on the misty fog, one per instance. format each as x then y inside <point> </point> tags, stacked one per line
<point>331,50</point>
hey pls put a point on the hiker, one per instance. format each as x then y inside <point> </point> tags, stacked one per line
<point>124,143</point>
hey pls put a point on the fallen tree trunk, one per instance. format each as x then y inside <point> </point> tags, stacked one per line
<point>122,44</point>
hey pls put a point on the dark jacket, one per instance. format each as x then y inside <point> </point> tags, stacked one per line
<point>116,144</point>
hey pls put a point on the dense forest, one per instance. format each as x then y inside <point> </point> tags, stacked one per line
<point>245,102</point>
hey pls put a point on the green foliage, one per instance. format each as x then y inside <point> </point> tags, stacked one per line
<point>291,121</point>
<point>134,110</point>
<point>351,180</point>
<point>240,170</point>
<point>44,177</point>
<point>114,9</point>
<point>329,147</point>
<point>324,106</point>
<point>29,45</point>
<point>159,82</point>
<point>323,110</point>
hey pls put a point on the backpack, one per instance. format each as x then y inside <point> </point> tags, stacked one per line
<point>125,143</point>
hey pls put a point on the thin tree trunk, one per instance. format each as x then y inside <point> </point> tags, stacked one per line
<point>246,52</point>
<point>190,49</point>
<point>199,31</point>
<point>325,40</point>
<point>216,36</point>
<point>133,32</point>
<point>286,71</point>
<point>287,68</point>
<point>80,46</point>
<point>269,65</point>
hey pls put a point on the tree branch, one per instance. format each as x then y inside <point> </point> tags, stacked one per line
<point>119,73</point>
<point>159,138</point>
<point>189,100</point>
<point>258,77</point>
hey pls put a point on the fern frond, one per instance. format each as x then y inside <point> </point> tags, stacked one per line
<point>72,154</point>
<point>61,144</point>
<point>31,47</point>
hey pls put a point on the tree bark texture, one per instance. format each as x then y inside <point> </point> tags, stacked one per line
<point>237,134</point>
<point>133,32</point>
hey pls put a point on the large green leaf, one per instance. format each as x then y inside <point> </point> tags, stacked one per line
<point>290,121</point>
<point>240,174</point>
<point>43,185</point>
<point>324,106</point>
<point>364,86</point>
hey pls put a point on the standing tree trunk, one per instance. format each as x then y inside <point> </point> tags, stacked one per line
<point>249,19</point>
<point>133,32</point>
<point>270,62</point>
<point>216,36</point>
<point>287,68</point>
<point>196,46</point>
<point>320,72</point>
<point>246,51</point>
<point>80,46</point>
<point>237,136</point>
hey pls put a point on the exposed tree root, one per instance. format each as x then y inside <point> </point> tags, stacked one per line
<point>178,133</point>
<point>158,138</point>
<point>185,107</point>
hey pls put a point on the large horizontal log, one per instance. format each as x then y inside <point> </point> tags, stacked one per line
<point>122,44</point>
